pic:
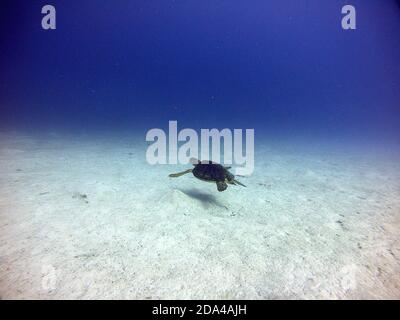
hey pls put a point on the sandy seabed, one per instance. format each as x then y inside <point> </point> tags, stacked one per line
<point>88,218</point>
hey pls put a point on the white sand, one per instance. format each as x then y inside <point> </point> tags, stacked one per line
<point>312,223</point>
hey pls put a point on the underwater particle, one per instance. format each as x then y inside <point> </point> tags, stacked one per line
<point>265,185</point>
<point>341,223</point>
<point>86,255</point>
<point>80,196</point>
<point>211,172</point>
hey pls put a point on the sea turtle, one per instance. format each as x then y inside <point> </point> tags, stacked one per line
<point>211,172</point>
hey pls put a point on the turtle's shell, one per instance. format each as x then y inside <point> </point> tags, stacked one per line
<point>211,172</point>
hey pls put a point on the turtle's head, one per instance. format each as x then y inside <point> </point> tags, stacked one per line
<point>229,176</point>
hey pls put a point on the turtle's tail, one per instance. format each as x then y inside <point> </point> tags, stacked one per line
<point>175,175</point>
<point>239,183</point>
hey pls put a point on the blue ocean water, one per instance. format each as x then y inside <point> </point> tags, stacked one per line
<point>84,214</point>
<point>280,67</point>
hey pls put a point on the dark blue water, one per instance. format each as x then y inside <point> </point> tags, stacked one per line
<point>277,66</point>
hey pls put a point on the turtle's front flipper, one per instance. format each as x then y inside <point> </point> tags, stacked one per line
<point>221,186</point>
<point>175,175</point>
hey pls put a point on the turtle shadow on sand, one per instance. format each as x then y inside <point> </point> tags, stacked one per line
<point>206,199</point>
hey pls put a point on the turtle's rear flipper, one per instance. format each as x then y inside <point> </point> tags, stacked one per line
<point>175,175</point>
<point>239,183</point>
<point>221,186</point>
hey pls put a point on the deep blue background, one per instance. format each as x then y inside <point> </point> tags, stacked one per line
<point>276,65</point>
